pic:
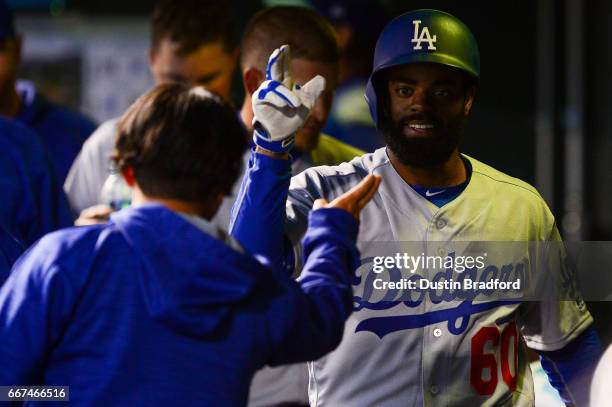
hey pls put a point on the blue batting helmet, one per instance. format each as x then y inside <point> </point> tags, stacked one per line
<point>423,36</point>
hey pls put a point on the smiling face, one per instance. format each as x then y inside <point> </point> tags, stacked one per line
<point>427,106</point>
<point>211,65</point>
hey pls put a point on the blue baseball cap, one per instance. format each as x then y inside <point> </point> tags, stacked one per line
<point>7,25</point>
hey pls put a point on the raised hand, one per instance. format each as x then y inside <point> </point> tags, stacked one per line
<point>280,108</point>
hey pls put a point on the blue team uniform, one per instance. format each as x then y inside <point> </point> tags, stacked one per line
<point>33,202</point>
<point>150,309</point>
<point>10,250</point>
<point>63,131</point>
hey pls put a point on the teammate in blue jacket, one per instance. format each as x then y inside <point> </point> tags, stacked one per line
<point>158,307</point>
<point>33,202</point>
<point>62,130</point>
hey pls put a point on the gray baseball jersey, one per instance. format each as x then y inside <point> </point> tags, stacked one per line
<point>424,351</point>
<point>91,168</point>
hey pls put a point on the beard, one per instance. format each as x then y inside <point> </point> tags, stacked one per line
<point>424,152</point>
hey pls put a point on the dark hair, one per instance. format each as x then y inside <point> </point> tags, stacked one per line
<point>310,36</point>
<point>192,23</point>
<point>183,143</point>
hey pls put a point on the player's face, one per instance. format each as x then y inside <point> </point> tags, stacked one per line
<point>211,66</point>
<point>302,71</point>
<point>428,107</point>
<point>9,59</point>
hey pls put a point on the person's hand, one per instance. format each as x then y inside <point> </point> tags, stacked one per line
<point>280,108</point>
<point>94,215</point>
<point>355,199</point>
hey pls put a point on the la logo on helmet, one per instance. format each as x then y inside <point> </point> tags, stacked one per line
<point>423,36</point>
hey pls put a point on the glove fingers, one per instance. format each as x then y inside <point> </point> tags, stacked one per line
<point>311,91</point>
<point>272,72</point>
<point>286,66</point>
<point>278,65</point>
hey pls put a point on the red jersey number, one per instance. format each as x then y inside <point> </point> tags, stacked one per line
<point>483,369</point>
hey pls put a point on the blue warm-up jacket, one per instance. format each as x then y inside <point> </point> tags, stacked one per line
<point>150,310</point>
<point>62,130</point>
<point>10,250</point>
<point>32,200</point>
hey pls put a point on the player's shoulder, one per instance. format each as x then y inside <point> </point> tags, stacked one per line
<point>102,138</point>
<point>331,180</point>
<point>502,181</point>
<point>23,141</point>
<point>508,191</point>
<point>14,130</point>
<point>64,117</point>
<point>67,242</point>
<point>359,166</point>
<point>60,254</point>
<point>331,151</point>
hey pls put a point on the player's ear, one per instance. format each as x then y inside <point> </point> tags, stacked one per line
<point>252,78</point>
<point>129,176</point>
<point>469,100</point>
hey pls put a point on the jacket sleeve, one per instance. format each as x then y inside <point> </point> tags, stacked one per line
<point>308,320</point>
<point>35,303</point>
<point>10,250</point>
<point>258,215</point>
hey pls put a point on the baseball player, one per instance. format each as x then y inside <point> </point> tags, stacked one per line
<point>158,307</point>
<point>33,202</point>
<point>62,130</point>
<point>433,349</point>
<point>191,42</point>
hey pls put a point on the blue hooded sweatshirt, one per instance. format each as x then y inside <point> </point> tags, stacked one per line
<point>33,202</point>
<point>62,130</point>
<point>150,310</point>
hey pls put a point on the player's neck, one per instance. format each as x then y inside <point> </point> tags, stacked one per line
<point>451,172</point>
<point>205,210</point>
<point>10,102</point>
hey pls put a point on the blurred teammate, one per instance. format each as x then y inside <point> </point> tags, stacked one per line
<point>357,24</point>
<point>62,131</point>
<point>315,51</point>
<point>32,201</point>
<point>432,347</point>
<point>192,42</point>
<point>158,307</point>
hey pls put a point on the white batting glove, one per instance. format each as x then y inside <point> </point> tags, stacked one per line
<point>281,109</point>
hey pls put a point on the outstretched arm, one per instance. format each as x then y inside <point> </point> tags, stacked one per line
<point>280,109</point>
<point>309,321</point>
